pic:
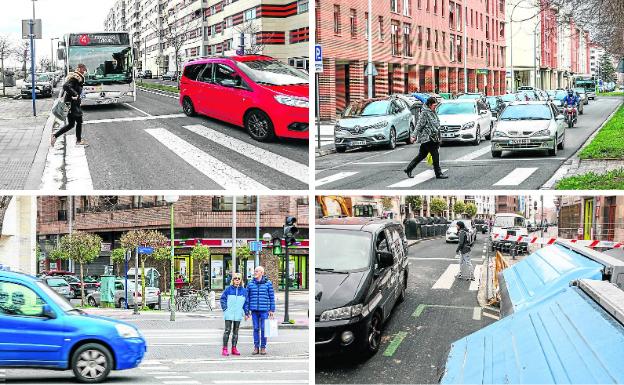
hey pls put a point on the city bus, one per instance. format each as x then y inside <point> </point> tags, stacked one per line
<point>588,83</point>
<point>109,58</point>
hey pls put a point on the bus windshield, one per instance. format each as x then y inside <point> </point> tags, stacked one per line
<point>105,64</point>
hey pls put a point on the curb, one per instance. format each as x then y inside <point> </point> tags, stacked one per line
<point>325,151</point>
<point>574,161</point>
<point>158,91</point>
<point>33,181</point>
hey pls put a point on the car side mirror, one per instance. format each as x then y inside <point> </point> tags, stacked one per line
<point>47,312</point>
<point>482,112</point>
<point>560,117</point>
<point>228,83</point>
<point>386,258</point>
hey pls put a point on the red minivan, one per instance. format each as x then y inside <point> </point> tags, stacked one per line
<point>262,94</point>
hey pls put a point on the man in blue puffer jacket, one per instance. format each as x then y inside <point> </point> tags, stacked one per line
<point>233,303</point>
<point>261,303</point>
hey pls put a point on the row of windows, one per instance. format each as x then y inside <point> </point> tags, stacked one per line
<point>302,7</point>
<point>404,7</point>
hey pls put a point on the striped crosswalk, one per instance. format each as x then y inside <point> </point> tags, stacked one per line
<point>449,277</point>
<point>67,165</point>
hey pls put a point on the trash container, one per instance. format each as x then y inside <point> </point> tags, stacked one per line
<point>9,79</point>
<point>412,228</point>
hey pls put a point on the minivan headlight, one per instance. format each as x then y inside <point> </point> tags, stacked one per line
<point>468,126</point>
<point>341,313</point>
<point>126,331</point>
<point>542,133</point>
<point>292,101</point>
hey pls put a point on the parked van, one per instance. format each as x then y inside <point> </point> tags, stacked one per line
<point>262,94</point>
<point>361,273</point>
<point>508,224</point>
<point>40,329</point>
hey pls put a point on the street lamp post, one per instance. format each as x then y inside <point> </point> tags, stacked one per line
<point>52,52</point>
<point>513,80</point>
<point>369,68</point>
<point>32,60</point>
<point>171,199</point>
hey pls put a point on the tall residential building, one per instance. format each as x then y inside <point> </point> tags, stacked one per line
<point>417,45</point>
<point>210,27</point>
<point>17,233</point>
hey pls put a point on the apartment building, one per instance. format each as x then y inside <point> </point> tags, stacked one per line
<point>417,45</point>
<point>592,217</point>
<point>17,233</point>
<point>210,27</point>
<point>205,220</point>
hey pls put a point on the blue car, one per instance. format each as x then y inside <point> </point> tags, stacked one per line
<point>40,329</point>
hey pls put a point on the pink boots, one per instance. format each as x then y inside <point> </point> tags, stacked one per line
<point>224,352</point>
<point>235,351</point>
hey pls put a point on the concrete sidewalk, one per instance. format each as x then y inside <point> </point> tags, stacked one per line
<point>327,139</point>
<point>23,145</point>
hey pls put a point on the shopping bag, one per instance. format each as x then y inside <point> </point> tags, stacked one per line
<point>270,328</point>
<point>60,109</point>
<point>429,159</point>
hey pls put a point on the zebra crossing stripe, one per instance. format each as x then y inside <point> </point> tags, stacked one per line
<point>76,166</point>
<point>474,285</point>
<point>516,177</point>
<point>417,179</point>
<point>447,278</point>
<point>334,177</point>
<point>277,162</point>
<point>224,175</point>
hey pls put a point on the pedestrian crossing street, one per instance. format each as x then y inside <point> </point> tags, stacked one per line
<point>514,178</point>
<point>65,155</point>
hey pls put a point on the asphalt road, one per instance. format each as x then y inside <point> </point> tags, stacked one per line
<point>148,145</point>
<point>468,166</point>
<point>189,352</point>
<point>429,320</point>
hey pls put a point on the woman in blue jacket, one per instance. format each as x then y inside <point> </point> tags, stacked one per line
<point>261,302</point>
<point>233,304</point>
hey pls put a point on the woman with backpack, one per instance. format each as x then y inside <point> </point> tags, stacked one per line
<point>466,270</point>
<point>234,306</point>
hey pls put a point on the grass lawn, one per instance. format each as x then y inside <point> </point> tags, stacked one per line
<point>615,93</point>
<point>612,180</point>
<point>608,144</point>
<point>161,87</point>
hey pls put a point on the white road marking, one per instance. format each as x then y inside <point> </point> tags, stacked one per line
<point>52,178</point>
<point>268,371</point>
<point>181,382</point>
<point>227,177</point>
<point>447,278</point>
<point>137,109</point>
<point>335,177</point>
<point>267,158</point>
<point>476,313</point>
<point>474,154</point>
<point>158,367</point>
<point>76,166</point>
<point>474,285</point>
<point>490,315</point>
<point>373,163</point>
<point>516,177</point>
<point>159,93</point>
<point>436,259</point>
<point>260,381</point>
<point>417,179</point>
<point>170,377</point>
<point>134,118</point>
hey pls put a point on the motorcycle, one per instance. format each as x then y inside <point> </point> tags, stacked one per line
<point>570,116</point>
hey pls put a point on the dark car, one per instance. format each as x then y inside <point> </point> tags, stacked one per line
<point>170,75</point>
<point>496,105</point>
<point>147,74</point>
<point>361,274</point>
<point>90,285</point>
<point>480,225</point>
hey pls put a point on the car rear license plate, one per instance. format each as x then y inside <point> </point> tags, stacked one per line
<point>358,143</point>
<point>520,141</point>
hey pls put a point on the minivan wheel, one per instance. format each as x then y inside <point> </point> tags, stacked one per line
<point>92,302</point>
<point>187,106</point>
<point>374,333</point>
<point>392,141</point>
<point>259,126</point>
<point>91,363</point>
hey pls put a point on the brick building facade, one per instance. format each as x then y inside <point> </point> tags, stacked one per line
<point>592,217</point>
<point>417,46</point>
<point>198,219</point>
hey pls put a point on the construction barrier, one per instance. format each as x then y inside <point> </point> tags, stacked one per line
<point>550,241</point>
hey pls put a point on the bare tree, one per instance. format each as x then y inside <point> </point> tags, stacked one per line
<point>173,31</point>
<point>251,29</point>
<point>45,64</point>
<point>6,49</point>
<point>22,54</point>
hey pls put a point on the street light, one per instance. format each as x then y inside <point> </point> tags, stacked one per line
<point>52,52</point>
<point>171,199</point>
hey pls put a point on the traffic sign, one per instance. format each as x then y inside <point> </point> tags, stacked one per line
<point>145,250</point>
<point>318,59</point>
<point>371,70</point>
<point>255,246</point>
<point>36,29</point>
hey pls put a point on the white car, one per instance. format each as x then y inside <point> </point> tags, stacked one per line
<point>508,224</point>
<point>465,120</point>
<point>151,295</point>
<point>529,126</point>
<point>451,232</point>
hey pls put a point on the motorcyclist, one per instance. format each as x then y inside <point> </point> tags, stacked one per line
<point>571,100</point>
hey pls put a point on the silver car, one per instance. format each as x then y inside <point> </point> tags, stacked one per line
<point>151,294</point>
<point>451,232</point>
<point>529,126</point>
<point>374,122</point>
<point>59,285</point>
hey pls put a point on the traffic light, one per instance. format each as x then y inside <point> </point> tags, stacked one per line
<point>290,231</point>
<point>535,205</point>
<point>276,243</point>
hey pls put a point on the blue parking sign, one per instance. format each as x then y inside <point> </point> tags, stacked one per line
<point>318,58</point>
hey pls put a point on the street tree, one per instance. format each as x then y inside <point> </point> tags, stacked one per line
<point>471,210</point>
<point>459,207</point>
<point>200,254</point>
<point>21,52</point>
<point>438,206</point>
<point>6,50</point>
<point>80,247</point>
<point>607,71</point>
<point>251,29</point>
<point>414,202</point>
<point>386,203</point>
<point>118,256</point>
<point>143,238</point>
<point>45,64</point>
<point>163,254</point>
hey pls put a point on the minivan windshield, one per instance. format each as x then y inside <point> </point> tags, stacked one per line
<point>273,73</point>
<point>58,299</point>
<point>342,250</point>
<point>367,108</point>
<point>509,221</point>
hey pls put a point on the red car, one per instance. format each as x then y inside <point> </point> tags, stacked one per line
<point>262,94</point>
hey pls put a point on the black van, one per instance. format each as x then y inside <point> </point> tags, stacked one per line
<point>361,273</point>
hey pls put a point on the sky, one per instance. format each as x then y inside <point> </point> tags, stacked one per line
<point>58,17</point>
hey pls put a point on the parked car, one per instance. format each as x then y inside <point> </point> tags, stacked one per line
<point>90,285</point>
<point>43,86</point>
<point>451,231</point>
<point>56,272</point>
<point>151,295</point>
<point>508,224</point>
<point>374,122</point>
<point>140,74</point>
<point>361,274</point>
<point>480,225</point>
<point>147,74</point>
<point>474,96</point>
<point>59,285</point>
<point>496,105</point>
<point>262,94</point>
<point>581,92</point>
<point>465,120</point>
<point>41,330</point>
<point>414,105</point>
<point>529,126</point>
<point>170,75</point>
<point>508,98</point>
